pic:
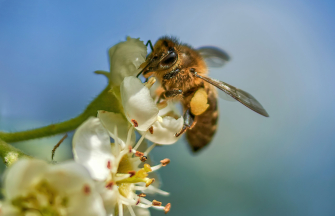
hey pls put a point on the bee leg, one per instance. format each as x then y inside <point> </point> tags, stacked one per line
<point>149,42</point>
<point>170,94</point>
<point>189,122</point>
<point>171,74</point>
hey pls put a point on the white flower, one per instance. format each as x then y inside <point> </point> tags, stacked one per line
<point>141,110</point>
<point>33,187</point>
<point>125,58</point>
<point>117,166</point>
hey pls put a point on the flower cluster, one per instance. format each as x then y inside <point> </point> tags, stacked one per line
<point>105,178</point>
<point>33,187</point>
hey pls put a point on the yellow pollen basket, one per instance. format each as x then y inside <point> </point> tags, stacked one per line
<point>199,102</point>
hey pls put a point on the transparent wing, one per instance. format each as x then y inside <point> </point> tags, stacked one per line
<point>213,56</point>
<point>238,94</point>
<point>223,95</point>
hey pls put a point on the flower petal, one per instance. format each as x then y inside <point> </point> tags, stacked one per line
<point>21,175</point>
<point>109,196</point>
<point>91,147</point>
<point>68,176</point>
<point>110,120</point>
<point>164,132</point>
<point>125,59</point>
<point>139,107</point>
<point>85,204</point>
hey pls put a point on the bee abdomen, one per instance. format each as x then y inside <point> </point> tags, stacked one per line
<point>203,131</point>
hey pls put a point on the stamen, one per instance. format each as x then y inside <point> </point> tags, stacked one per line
<point>127,201</point>
<point>138,201</point>
<point>119,178</point>
<point>156,203</point>
<point>149,149</point>
<point>131,211</point>
<point>150,82</point>
<point>109,185</point>
<point>155,168</point>
<point>167,208</point>
<point>135,123</point>
<point>120,209</point>
<point>143,158</point>
<point>139,154</point>
<point>149,182</point>
<point>116,140</point>
<point>165,162</point>
<point>130,132</point>
<point>87,189</point>
<point>154,189</point>
<point>140,140</point>
<point>144,205</point>
<point>142,195</point>
<point>132,173</point>
<point>151,129</point>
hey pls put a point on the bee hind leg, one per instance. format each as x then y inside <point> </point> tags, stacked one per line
<point>189,121</point>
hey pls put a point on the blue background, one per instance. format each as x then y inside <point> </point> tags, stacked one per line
<point>282,52</point>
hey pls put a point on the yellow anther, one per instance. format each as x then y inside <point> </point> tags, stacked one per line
<point>147,168</point>
<point>149,182</point>
<point>141,173</point>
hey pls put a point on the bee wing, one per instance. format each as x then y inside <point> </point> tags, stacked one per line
<point>213,56</point>
<point>238,94</point>
<point>223,95</point>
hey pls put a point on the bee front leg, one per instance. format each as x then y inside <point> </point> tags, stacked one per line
<point>149,43</point>
<point>189,121</point>
<point>170,94</point>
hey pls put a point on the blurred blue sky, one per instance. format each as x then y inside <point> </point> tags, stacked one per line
<point>282,52</point>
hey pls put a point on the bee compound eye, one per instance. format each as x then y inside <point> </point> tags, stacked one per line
<point>169,59</point>
<point>171,49</point>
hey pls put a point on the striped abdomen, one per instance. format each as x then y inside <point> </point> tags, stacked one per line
<point>203,131</point>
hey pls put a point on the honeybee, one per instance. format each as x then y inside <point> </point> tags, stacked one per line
<point>182,71</point>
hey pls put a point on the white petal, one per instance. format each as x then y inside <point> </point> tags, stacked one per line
<point>125,59</point>
<point>21,175</point>
<point>109,120</point>
<point>164,132</point>
<point>86,204</point>
<point>169,109</point>
<point>69,176</point>
<point>137,103</point>
<point>7,209</point>
<point>109,196</point>
<point>91,147</point>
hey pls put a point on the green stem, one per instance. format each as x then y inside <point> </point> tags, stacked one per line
<point>106,100</point>
<point>9,153</point>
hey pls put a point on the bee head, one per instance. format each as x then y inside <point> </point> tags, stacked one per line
<point>163,57</point>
